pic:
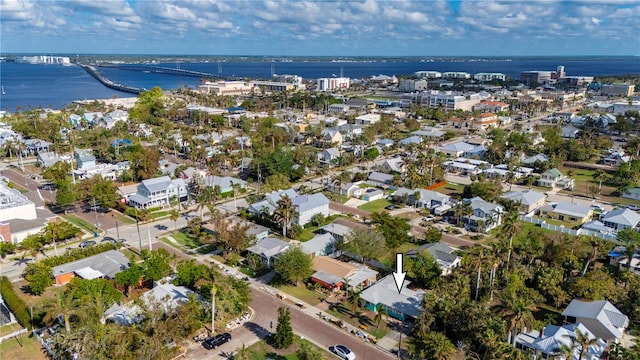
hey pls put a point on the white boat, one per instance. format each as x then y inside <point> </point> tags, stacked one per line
<point>3,90</point>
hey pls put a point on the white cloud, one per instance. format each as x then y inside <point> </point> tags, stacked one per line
<point>596,20</point>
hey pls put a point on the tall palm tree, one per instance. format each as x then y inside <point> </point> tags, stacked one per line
<point>174,215</point>
<point>355,301</point>
<point>476,262</point>
<point>582,341</point>
<point>517,311</point>
<point>284,213</point>
<point>510,228</point>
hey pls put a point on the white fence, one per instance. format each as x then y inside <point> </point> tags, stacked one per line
<point>13,334</point>
<point>543,224</point>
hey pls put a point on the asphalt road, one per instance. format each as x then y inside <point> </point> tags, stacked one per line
<point>310,327</point>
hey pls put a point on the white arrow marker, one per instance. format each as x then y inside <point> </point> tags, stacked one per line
<point>399,275</point>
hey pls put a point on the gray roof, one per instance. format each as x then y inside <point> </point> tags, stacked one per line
<point>442,253</point>
<point>109,263</point>
<point>486,207</point>
<point>223,181</point>
<point>157,184</point>
<point>320,243</point>
<point>337,229</point>
<point>425,195</point>
<point>327,278</point>
<point>307,202</point>
<point>525,197</point>
<point>457,146</point>
<point>385,292</point>
<point>597,226</point>
<point>269,247</point>
<point>534,158</point>
<point>411,140</point>
<point>623,217</point>
<point>380,177</point>
<point>601,311</point>
<point>572,209</point>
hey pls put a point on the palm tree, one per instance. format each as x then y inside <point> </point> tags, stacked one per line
<point>51,231</point>
<point>439,346</point>
<point>355,301</point>
<point>517,311</point>
<point>476,262</point>
<point>510,228</point>
<point>284,213</point>
<point>174,215</point>
<point>63,305</point>
<point>582,341</point>
<point>381,311</point>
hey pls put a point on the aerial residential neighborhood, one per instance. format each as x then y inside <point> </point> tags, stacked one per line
<point>216,217</point>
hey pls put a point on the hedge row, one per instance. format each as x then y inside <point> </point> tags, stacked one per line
<point>78,253</point>
<point>14,303</point>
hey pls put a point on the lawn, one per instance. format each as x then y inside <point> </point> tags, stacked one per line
<point>375,206</point>
<point>336,197</point>
<point>301,292</point>
<point>262,350</point>
<point>81,223</point>
<point>451,189</point>
<point>122,218</point>
<point>186,240</point>
<point>389,257</point>
<point>308,233</point>
<point>24,347</point>
<point>343,312</point>
<point>160,214</point>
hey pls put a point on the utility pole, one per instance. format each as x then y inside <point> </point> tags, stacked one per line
<point>138,227</point>
<point>95,211</point>
<point>213,308</point>
<point>149,232</point>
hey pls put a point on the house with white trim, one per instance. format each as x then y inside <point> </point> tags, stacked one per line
<point>620,219</point>
<point>158,192</point>
<point>600,317</point>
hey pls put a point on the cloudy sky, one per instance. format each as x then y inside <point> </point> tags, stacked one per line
<point>322,27</point>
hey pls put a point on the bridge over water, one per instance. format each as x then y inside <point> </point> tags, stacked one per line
<point>162,70</point>
<point>110,84</point>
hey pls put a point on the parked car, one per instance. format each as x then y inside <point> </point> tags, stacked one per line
<point>344,352</point>
<point>633,207</point>
<point>87,243</point>
<point>390,207</point>
<point>214,341</point>
<point>429,218</point>
<point>597,207</point>
<point>109,239</point>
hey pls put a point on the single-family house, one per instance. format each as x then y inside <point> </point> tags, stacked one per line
<point>332,136</point>
<point>104,265</point>
<point>620,219</point>
<point>333,274</point>
<point>380,180</point>
<point>456,149</point>
<point>539,158</point>
<point>329,156</point>
<point>256,231</point>
<point>158,192</point>
<point>406,304</point>
<point>393,165</point>
<point>268,250</point>
<point>225,183</point>
<point>305,206</point>
<point>528,200</point>
<point>599,316</point>
<point>553,178</point>
<point>371,194</point>
<point>165,295</point>
<point>423,198</point>
<point>569,132</point>
<point>546,344</point>
<point>46,159</point>
<point>114,117</point>
<point>341,228</point>
<point>411,140</point>
<point>631,193</point>
<point>442,253</point>
<point>35,146</point>
<point>574,214</point>
<point>485,215</point>
<point>320,245</point>
<point>385,143</point>
<point>464,168</point>
<point>429,134</point>
<point>350,189</point>
<point>84,158</point>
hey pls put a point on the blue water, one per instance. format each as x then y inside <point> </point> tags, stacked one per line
<point>54,86</point>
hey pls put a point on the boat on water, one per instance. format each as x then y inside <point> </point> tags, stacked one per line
<point>3,93</point>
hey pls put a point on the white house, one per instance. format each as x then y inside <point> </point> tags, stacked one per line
<point>599,316</point>
<point>442,253</point>
<point>305,206</point>
<point>158,192</point>
<point>368,119</point>
<point>485,216</point>
<point>620,219</point>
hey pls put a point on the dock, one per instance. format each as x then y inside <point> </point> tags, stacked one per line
<point>110,84</point>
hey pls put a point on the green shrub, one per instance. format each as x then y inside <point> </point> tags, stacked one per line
<point>14,303</point>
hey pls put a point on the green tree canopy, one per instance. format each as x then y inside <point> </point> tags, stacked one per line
<point>294,265</point>
<point>283,337</point>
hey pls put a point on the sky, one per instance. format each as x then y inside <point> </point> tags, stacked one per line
<point>322,28</point>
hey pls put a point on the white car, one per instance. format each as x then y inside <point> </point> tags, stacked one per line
<point>344,352</point>
<point>428,218</point>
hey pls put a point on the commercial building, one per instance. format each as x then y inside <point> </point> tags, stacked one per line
<point>408,85</point>
<point>330,84</point>
<point>625,90</point>
<point>490,76</point>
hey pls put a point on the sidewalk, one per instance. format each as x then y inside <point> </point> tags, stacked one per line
<point>388,344</point>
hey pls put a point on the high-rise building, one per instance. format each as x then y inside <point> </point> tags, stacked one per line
<point>560,72</point>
